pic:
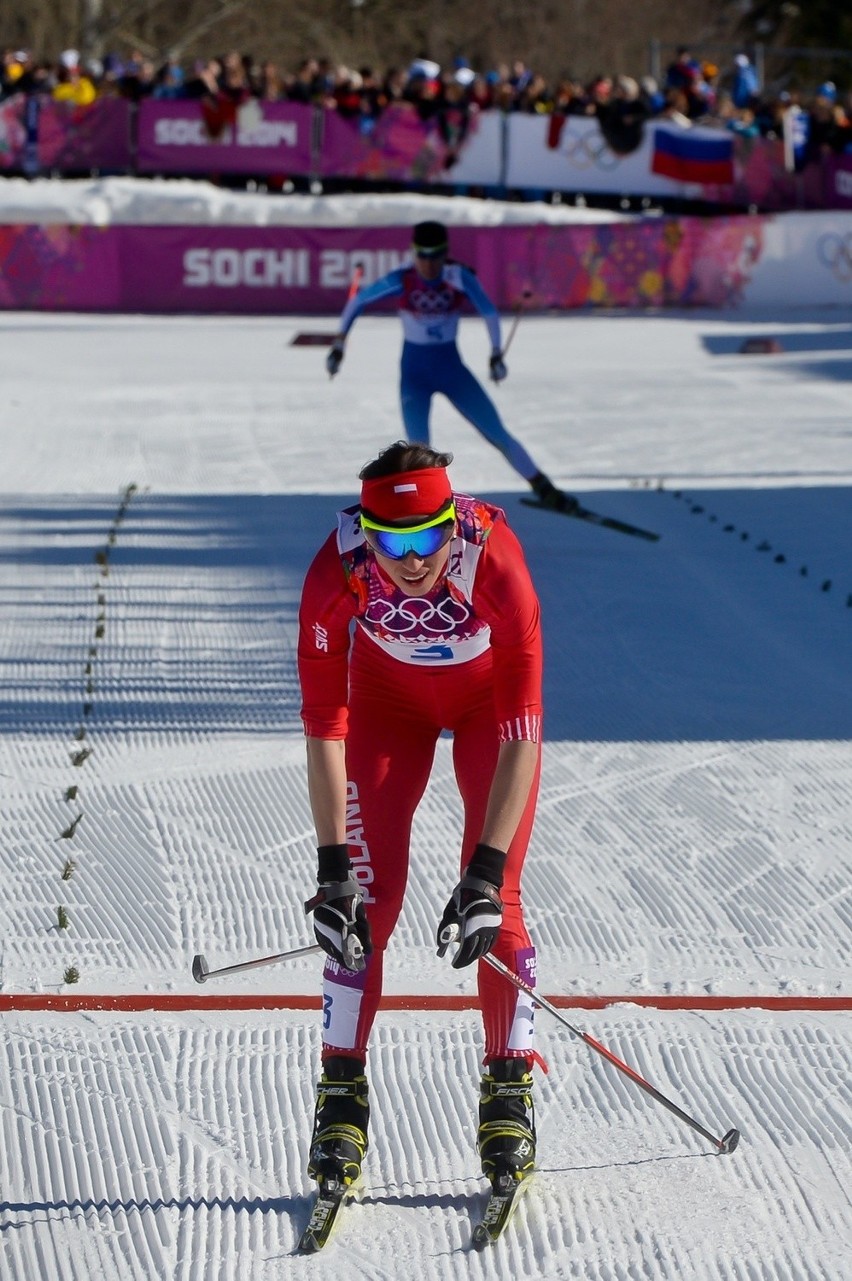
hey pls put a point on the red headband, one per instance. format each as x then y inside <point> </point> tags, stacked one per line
<point>406,494</point>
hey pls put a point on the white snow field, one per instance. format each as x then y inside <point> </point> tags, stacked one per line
<point>694,836</point>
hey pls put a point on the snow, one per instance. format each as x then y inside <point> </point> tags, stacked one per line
<point>694,834</point>
<point>166,202</point>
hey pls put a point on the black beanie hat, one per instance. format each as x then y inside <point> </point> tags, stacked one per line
<point>431,237</point>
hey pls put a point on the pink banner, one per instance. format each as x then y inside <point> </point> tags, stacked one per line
<point>261,138</point>
<point>762,179</point>
<point>301,271</point>
<point>60,268</point>
<point>399,147</point>
<point>71,139</point>
<point>649,263</point>
<point>255,270</point>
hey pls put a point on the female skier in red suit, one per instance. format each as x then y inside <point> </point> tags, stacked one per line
<point>447,637</point>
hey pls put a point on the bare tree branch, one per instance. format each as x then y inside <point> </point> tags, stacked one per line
<point>556,38</point>
<point>191,35</point>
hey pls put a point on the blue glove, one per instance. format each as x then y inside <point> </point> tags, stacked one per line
<point>334,359</point>
<point>498,368</point>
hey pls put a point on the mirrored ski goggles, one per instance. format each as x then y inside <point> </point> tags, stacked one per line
<point>438,252</point>
<point>423,540</point>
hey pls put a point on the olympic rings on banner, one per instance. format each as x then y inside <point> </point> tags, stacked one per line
<point>587,150</point>
<point>835,252</point>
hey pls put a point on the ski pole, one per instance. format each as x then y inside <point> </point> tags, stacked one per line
<point>517,320</point>
<point>355,285</point>
<point>338,340</point>
<point>201,972</point>
<point>728,1141</point>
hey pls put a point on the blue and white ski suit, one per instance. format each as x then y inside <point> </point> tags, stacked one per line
<point>430,311</point>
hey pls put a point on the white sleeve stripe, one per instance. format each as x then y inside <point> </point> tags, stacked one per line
<point>525,728</point>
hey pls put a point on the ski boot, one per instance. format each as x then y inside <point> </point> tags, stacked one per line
<point>549,496</point>
<point>342,1116</point>
<point>506,1138</point>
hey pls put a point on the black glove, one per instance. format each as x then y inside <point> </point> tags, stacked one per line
<point>474,913</point>
<point>498,368</point>
<point>334,359</point>
<point>340,923</point>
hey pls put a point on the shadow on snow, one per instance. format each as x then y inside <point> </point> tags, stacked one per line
<point>736,625</point>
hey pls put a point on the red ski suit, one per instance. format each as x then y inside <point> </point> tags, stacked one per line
<point>465,658</point>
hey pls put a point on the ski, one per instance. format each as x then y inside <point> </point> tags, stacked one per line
<point>330,1199</point>
<point>501,1205</point>
<point>594,518</point>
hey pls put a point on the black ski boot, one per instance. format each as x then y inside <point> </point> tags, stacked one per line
<point>341,1119</point>
<point>549,496</point>
<point>506,1139</point>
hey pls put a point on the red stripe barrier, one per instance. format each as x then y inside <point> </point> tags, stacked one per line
<point>127,1003</point>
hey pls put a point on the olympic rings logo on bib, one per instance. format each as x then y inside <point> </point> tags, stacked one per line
<point>431,302</point>
<point>417,619</point>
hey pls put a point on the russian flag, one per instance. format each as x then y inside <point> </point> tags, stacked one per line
<point>693,155</point>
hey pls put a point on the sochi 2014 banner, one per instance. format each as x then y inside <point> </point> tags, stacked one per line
<point>258,138</point>
<point>721,262</point>
<point>265,138</point>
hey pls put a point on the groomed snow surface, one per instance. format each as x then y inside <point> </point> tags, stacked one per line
<point>694,833</point>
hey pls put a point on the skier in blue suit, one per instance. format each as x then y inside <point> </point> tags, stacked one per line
<point>431,293</point>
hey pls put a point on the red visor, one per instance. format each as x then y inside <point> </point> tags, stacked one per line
<point>399,498</point>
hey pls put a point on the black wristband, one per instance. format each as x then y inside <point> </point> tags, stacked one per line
<point>487,863</point>
<point>332,863</point>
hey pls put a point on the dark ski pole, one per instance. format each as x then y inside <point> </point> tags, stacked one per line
<point>519,310</point>
<point>724,1145</point>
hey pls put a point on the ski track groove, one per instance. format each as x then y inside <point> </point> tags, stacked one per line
<point>159,858</point>
<point>89,1143</point>
<point>169,1180</point>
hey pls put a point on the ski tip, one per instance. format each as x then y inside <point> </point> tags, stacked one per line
<point>330,1199</point>
<point>593,518</point>
<point>480,1237</point>
<point>308,1244</point>
<point>200,969</point>
<point>506,1191</point>
<point>728,1142</point>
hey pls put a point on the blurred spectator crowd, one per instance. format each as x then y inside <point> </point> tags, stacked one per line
<point>691,91</point>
